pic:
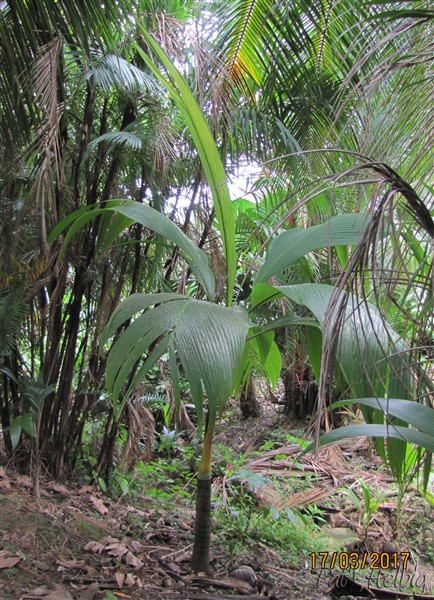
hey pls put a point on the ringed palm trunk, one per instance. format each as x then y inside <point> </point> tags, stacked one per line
<point>202,530</point>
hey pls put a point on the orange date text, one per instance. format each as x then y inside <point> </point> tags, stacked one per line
<point>356,560</point>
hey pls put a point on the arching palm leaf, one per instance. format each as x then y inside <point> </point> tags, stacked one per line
<point>396,432</point>
<point>111,70</point>
<point>131,212</point>
<point>207,150</point>
<point>368,351</point>
<point>118,138</point>
<point>208,338</point>
<point>291,245</point>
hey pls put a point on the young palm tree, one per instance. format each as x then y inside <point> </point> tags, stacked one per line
<point>207,339</point>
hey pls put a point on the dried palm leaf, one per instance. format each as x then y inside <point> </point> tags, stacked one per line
<point>141,434</point>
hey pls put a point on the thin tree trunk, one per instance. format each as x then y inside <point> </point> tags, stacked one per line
<point>202,530</point>
<point>300,393</point>
<point>248,402</point>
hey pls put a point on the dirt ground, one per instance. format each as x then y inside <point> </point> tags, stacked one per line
<point>75,543</point>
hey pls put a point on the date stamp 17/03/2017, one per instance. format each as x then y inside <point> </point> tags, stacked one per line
<point>356,560</point>
<point>372,570</point>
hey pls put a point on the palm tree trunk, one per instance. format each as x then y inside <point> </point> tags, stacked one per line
<point>202,531</point>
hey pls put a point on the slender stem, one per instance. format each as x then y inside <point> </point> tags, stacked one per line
<point>202,532</point>
<point>205,463</point>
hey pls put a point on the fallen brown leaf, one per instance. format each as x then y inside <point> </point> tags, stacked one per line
<point>89,592</point>
<point>41,565</point>
<point>136,546</point>
<point>23,480</point>
<point>5,485</point>
<point>56,487</point>
<point>58,593</point>
<point>120,578</point>
<point>79,565</point>
<point>117,550</point>
<point>130,581</point>
<point>94,547</point>
<point>8,560</point>
<point>99,505</point>
<point>243,587</point>
<point>107,539</point>
<point>171,566</point>
<point>133,561</point>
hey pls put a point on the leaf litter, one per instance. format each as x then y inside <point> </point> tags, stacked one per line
<point>75,544</point>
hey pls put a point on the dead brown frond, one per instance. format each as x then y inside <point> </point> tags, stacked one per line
<point>390,268</point>
<point>141,434</point>
<point>271,497</point>
<point>217,265</point>
<point>325,467</point>
<point>165,153</point>
<point>170,33</point>
<point>182,420</point>
<point>222,90</point>
<point>45,85</point>
<point>414,205</point>
<point>47,140</point>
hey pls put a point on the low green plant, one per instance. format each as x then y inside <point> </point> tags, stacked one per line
<point>34,392</point>
<point>167,441</point>
<point>404,441</point>
<point>232,461</point>
<point>124,485</point>
<point>161,480</point>
<point>315,514</point>
<point>291,439</point>
<point>99,480</point>
<point>429,497</point>
<point>9,573</point>
<point>366,503</point>
<point>242,524</point>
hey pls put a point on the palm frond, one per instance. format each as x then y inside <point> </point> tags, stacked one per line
<point>208,338</point>
<point>110,71</point>
<point>390,432</point>
<point>369,352</point>
<point>291,245</point>
<point>13,310</point>
<point>118,138</point>
<point>28,27</point>
<point>130,212</point>
<point>141,434</point>
<point>207,150</point>
<point>242,40</point>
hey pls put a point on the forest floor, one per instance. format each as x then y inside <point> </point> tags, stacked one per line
<point>79,543</point>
